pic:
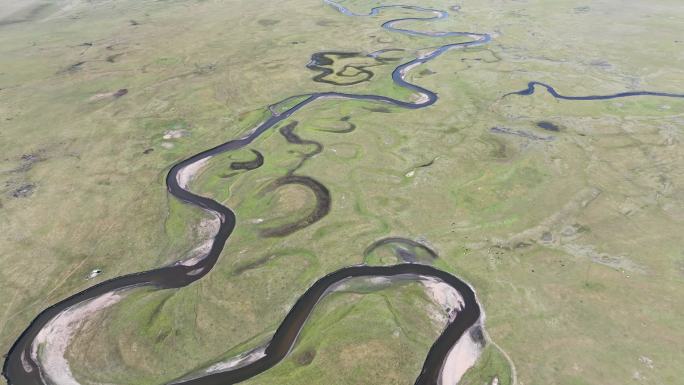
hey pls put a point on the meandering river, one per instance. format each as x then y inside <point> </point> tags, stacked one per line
<point>23,365</point>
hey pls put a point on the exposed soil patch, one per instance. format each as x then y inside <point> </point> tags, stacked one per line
<point>105,95</point>
<point>267,22</point>
<point>175,134</point>
<point>548,126</point>
<point>112,58</point>
<point>405,250</point>
<point>305,358</point>
<point>24,191</point>
<point>72,68</point>
<point>27,162</point>
<point>477,334</point>
<point>523,134</point>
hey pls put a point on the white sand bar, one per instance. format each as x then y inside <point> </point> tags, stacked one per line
<point>53,339</point>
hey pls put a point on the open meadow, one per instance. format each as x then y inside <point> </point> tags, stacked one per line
<point>565,216</point>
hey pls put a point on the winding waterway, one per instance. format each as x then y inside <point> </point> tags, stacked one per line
<point>532,86</point>
<point>23,367</point>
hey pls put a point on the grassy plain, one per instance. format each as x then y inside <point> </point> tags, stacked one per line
<point>573,243</point>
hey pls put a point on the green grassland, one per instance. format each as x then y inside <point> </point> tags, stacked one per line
<point>572,240</point>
